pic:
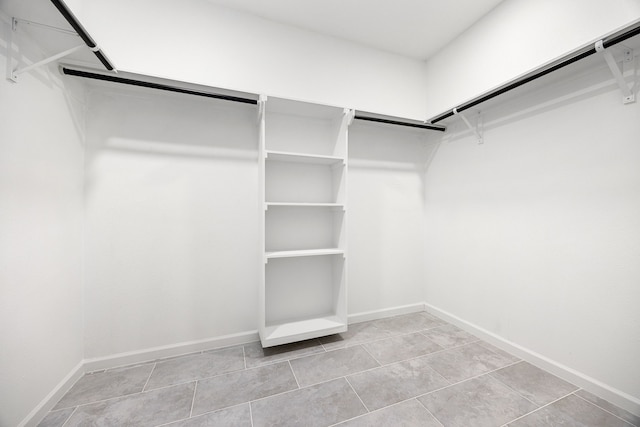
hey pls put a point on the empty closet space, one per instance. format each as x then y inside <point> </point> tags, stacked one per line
<point>258,211</point>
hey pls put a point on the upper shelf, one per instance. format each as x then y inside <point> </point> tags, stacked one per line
<point>303,109</point>
<point>286,156</point>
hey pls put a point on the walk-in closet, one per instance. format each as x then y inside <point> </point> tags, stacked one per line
<point>319,213</point>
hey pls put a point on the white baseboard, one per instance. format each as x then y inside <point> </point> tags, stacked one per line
<point>154,353</point>
<point>615,396</point>
<point>385,312</point>
<point>40,411</point>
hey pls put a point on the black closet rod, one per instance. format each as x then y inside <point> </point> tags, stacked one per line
<point>140,83</point>
<point>614,39</point>
<point>399,123</point>
<point>77,26</point>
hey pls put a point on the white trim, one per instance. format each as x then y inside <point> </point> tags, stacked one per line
<point>385,312</point>
<point>604,391</point>
<point>150,354</point>
<point>39,412</point>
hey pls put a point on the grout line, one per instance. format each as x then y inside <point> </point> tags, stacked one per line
<point>235,371</point>
<point>513,389</point>
<point>430,413</point>
<point>203,414</point>
<point>244,358</point>
<point>71,415</point>
<point>193,400</point>
<point>372,356</point>
<point>144,388</point>
<point>250,414</point>
<point>536,410</point>
<point>130,394</point>
<point>359,398</point>
<point>294,374</point>
<point>598,406</point>
<point>466,379</point>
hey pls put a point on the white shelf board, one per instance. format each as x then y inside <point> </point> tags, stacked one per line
<point>301,330</point>
<point>286,156</point>
<point>303,253</point>
<point>302,109</point>
<point>304,205</point>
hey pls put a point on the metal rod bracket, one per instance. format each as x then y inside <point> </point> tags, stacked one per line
<point>13,73</point>
<point>17,71</point>
<point>473,129</point>
<point>628,96</point>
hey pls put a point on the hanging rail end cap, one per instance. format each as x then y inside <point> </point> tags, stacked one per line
<point>599,46</point>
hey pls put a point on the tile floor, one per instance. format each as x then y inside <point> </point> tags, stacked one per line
<point>411,370</point>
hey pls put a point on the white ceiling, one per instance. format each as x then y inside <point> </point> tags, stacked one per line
<point>413,28</point>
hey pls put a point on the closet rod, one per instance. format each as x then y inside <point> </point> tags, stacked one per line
<point>77,26</point>
<point>399,123</point>
<point>140,83</point>
<point>614,39</point>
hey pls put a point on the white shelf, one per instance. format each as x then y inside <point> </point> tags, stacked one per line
<point>285,156</point>
<point>303,253</point>
<point>302,330</point>
<point>304,205</point>
<point>303,166</point>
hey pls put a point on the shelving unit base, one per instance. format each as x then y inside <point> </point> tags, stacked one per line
<point>302,330</point>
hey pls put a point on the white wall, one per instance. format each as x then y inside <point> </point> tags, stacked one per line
<point>386,215</point>
<point>195,41</point>
<point>534,236</point>
<point>171,220</point>
<point>516,37</point>
<point>41,161</point>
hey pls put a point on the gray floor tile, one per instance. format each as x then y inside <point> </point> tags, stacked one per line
<point>397,382</point>
<point>505,355</point>
<point>537,385</point>
<point>143,409</point>
<point>401,347</point>
<point>243,386</point>
<point>408,323</point>
<point>56,418</point>
<point>106,385</point>
<point>237,416</point>
<point>610,407</point>
<point>481,402</point>
<point>258,356</point>
<point>448,336</point>
<point>357,334</point>
<point>319,405</point>
<point>406,414</point>
<point>465,362</point>
<point>195,366</point>
<point>333,364</point>
<point>570,411</point>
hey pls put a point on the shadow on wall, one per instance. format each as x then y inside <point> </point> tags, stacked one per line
<point>143,123</point>
<point>377,146</point>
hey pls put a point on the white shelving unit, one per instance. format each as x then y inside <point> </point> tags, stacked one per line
<point>303,169</point>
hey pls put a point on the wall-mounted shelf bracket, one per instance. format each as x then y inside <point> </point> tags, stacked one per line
<point>13,73</point>
<point>349,115</point>
<point>627,94</point>
<point>262,103</point>
<point>472,128</point>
